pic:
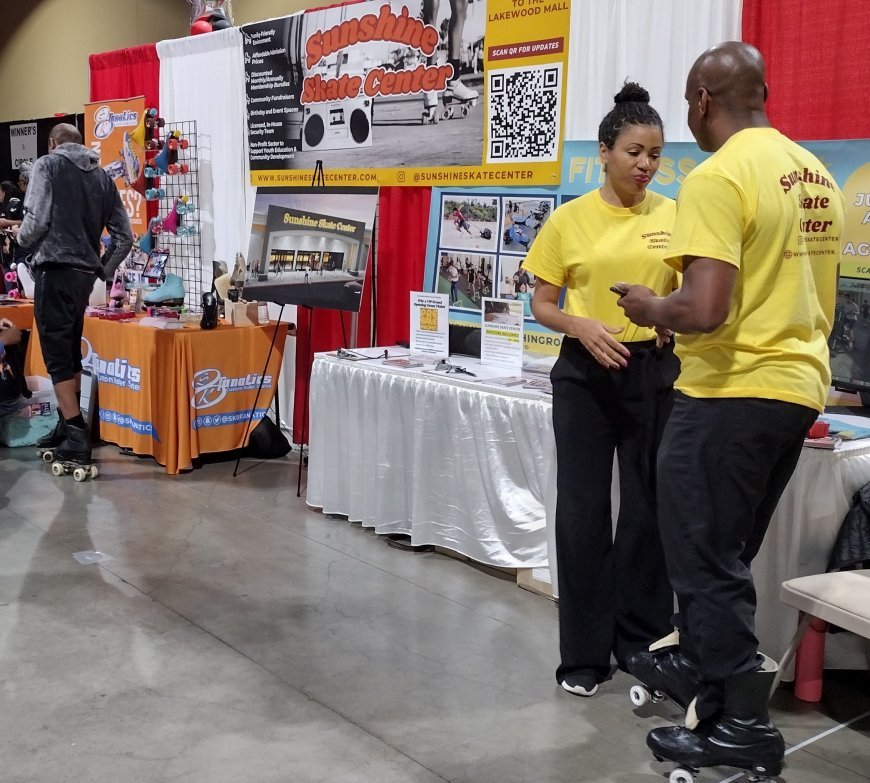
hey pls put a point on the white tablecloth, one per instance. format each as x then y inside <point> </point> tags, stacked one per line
<point>432,456</point>
<point>472,469</point>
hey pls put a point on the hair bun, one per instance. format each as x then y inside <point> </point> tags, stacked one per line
<point>631,92</point>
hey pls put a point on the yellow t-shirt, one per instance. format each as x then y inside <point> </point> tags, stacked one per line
<point>587,245</point>
<point>770,208</point>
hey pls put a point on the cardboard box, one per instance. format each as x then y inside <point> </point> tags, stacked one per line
<point>243,313</point>
<point>536,580</point>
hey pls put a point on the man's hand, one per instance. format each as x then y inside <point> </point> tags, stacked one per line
<point>636,303</point>
<point>10,334</point>
<point>596,338</point>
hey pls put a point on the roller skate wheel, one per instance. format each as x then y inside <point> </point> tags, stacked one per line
<point>80,474</point>
<point>681,776</point>
<point>47,456</point>
<point>95,471</point>
<point>56,469</point>
<point>465,111</point>
<point>639,695</point>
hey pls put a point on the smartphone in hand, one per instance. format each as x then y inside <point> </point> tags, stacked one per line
<point>620,289</point>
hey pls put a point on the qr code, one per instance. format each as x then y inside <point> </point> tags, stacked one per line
<point>524,114</point>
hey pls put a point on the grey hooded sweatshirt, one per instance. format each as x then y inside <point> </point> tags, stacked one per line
<point>69,201</point>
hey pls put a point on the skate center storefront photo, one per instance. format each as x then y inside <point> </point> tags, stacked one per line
<point>345,232</point>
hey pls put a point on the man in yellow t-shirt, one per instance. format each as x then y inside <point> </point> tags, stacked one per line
<point>757,239</point>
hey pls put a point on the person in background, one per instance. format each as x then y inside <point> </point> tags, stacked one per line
<point>525,296</point>
<point>11,213</point>
<point>69,202</point>
<point>612,388</point>
<point>756,238</point>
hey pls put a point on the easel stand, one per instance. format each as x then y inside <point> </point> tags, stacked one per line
<point>260,388</point>
<point>303,439</point>
<point>317,181</point>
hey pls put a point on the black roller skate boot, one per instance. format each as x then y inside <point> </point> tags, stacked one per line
<point>48,443</point>
<point>741,735</point>
<point>73,455</point>
<point>664,673</point>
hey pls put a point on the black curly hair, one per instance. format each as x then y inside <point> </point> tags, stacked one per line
<point>632,108</point>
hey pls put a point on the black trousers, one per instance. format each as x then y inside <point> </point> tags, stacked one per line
<point>614,595</point>
<point>60,297</point>
<point>723,465</point>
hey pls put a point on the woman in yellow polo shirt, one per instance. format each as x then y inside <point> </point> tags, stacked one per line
<point>612,389</point>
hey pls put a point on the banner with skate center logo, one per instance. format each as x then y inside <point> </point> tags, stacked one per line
<point>408,93</point>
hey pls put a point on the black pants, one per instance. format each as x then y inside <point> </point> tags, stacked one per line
<point>60,297</point>
<point>614,595</point>
<point>723,465</point>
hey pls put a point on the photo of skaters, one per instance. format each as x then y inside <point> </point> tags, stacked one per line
<point>469,222</point>
<point>466,278</point>
<point>522,220</point>
<point>849,342</point>
<point>516,283</point>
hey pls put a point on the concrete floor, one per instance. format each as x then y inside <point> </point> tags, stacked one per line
<point>234,635</point>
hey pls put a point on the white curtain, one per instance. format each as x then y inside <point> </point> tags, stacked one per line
<point>202,78</point>
<point>652,42</point>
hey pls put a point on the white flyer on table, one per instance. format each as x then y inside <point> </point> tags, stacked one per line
<point>429,324</point>
<point>502,339</point>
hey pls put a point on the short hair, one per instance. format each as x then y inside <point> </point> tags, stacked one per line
<point>24,172</point>
<point>632,108</point>
<point>64,133</point>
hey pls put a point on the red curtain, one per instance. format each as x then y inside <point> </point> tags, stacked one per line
<point>403,221</point>
<point>403,227</point>
<point>126,73</point>
<point>817,65</point>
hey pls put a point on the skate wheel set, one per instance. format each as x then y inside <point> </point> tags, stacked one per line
<point>640,695</point>
<point>63,467</point>
<point>687,774</point>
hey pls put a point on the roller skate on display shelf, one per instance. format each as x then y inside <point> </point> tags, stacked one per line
<point>664,673</point>
<point>72,454</point>
<point>740,735</point>
<point>171,293</point>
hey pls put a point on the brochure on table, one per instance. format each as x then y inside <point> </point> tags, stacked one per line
<point>502,339</point>
<point>430,324</point>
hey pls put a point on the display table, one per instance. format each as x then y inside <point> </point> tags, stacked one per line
<point>435,457</point>
<point>176,394</point>
<point>472,469</point>
<point>20,314</point>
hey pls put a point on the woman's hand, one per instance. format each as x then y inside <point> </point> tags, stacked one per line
<point>596,338</point>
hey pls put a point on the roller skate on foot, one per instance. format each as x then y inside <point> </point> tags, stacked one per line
<point>458,97</point>
<point>430,108</point>
<point>741,735</point>
<point>73,455</point>
<point>664,673</point>
<point>171,293</point>
<point>46,445</point>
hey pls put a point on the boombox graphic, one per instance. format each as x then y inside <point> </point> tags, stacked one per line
<point>337,125</point>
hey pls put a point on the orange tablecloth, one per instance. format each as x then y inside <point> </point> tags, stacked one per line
<point>20,314</point>
<point>176,394</point>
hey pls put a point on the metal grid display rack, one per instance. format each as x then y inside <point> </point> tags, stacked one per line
<point>185,247</point>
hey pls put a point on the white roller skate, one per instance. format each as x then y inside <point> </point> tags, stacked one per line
<point>458,97</point>
<point>430,108</point>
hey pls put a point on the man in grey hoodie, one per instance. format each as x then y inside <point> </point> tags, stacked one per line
<point>69,201</point>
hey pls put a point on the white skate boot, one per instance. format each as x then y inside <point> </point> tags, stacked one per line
<point>458,95</point>
<point>430,108</point>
